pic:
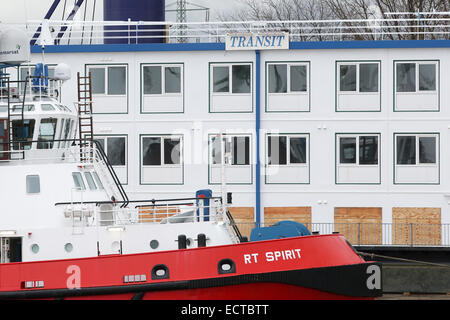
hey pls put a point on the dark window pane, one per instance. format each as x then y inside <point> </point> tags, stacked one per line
<point>152,80</point>
<point>216,152</point>
<point>406,77</point>
<point>347,150</point>
<point>406,150</point>
<point>277,78</point>
<point>22,132</point>
<point>277,150</point>
<point>241,79</point>
<point>151,150</point>
<point>298,150</point>
<point>116,150</point>
<point>347,77</point>
<point>172,151</point>
<point>241,151</point>
<point>221,79</point>
<point>98,80</point>
<point>368,150</point>
<point>427,150</point>
<point>298,79</point>
<point>368,77</point>
<point>427,77</point>
<point>117,80</point>
<point>173,79</point>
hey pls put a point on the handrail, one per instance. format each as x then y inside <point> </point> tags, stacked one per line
<point>426,25</point>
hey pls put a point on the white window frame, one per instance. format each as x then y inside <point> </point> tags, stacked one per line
<point>418,136</point>
<point>230,77</point>
<point>288,78</point>
<point>105,139</point>
<point>418,63</point>
<point>106,67</point>
<point>230,137</point>
<point>356,136</point>
<point>357,64</point>
<point>163,79</point>
<point>288,148</point>
<point>163,137</point>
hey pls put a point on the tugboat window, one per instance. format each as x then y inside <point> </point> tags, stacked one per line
<point>78,180</point>
<point>33,184</point>
<point>90,181</point>
<point>47,131</point>
<point>22,132</point>
<point>97,179</point>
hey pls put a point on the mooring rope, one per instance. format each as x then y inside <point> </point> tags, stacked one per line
<point>372,255</point>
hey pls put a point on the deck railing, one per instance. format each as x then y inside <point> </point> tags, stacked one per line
<point>376,234</point>
<point>424,25</point>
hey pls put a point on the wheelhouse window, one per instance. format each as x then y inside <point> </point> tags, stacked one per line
<point>358,158</point>
<point>287,157</point>
<point>162,88</point>
<point>23,134</point>
<point>161,159</point>
<point>235,152</point>
<point>358,86</point>
<point>47,130</point>
<point>417,158</point>
<point>416,85</point>
<point>230,87</point>
<point>90,181</point>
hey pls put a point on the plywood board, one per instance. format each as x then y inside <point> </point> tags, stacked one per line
<point>157,213</point>
<point>359,225</point>
<point>244,217</point>
<point>416,226</point>
<point>273,215</point>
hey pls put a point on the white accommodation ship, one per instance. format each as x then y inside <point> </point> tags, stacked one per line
<point>342,135</point>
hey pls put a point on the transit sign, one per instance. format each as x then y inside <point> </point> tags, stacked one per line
<point>257,41</point>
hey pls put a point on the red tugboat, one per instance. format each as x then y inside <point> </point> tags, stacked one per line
<point>65,235</point>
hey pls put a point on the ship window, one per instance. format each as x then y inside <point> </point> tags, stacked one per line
<point>286,150</point>
<point>109,80</point>
<point>114,148</point>
<point>416,76</point>
<point>117,80</point>
<point>33,184</point>
<point>358,77</point>
<point>285,78</point>
<point>78,180</point>
<point>240,78</point>
<point>90,181</point>
<point>161,150</point>
<point>98,77</point>
<point>22,131</point>
<point>413,150</point>
<point>359,150</point>
<point>27,108</point>
<point>161,79</point>
<point>46,133</point>
<point>47,107</point>
<point>237,146</point>
<point>97,180</point>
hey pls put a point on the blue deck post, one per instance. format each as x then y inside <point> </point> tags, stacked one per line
<point>257,127</point>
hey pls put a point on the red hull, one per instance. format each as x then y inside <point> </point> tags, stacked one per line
<point>310,267</point>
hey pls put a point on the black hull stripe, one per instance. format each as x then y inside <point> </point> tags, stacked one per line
<point>348,280</point>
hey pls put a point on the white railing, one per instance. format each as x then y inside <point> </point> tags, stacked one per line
<point>425,25</point>
<point>376,234</point>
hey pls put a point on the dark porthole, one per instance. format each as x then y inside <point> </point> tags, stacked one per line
<point>154,244</point>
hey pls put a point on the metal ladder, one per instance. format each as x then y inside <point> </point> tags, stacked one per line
<point>85,121</point>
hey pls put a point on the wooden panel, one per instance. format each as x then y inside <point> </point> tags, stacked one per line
<point>244,218</point>
<point>359,225</point>
<point>273,215</point>
<point>418,226</point>
<point>157,213</point>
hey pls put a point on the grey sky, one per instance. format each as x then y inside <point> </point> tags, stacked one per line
<point>18,11</point>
